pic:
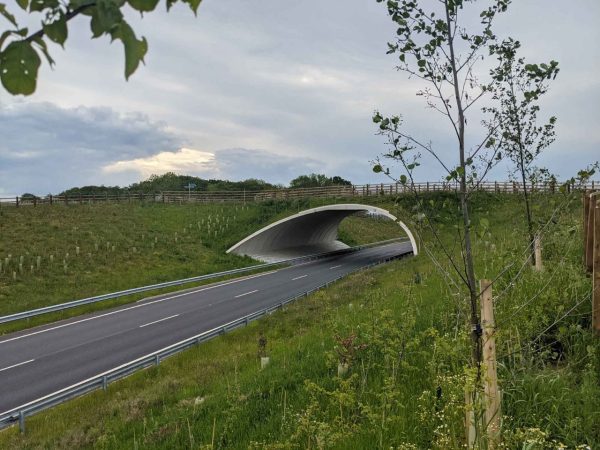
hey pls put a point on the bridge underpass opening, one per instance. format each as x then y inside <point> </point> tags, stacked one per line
<point>310,232</point>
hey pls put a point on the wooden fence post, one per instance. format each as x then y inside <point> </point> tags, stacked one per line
<point>589,247</point>
<point>586,212</point>
<point>17,201</point>
<point>537,243</point>
<point>492,395</point>
<point>470,431</point>
<point>596,271</point>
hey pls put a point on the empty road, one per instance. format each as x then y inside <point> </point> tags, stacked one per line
<point>39,361</point>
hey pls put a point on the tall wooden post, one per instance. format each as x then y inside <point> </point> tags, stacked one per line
<point>492,396</point>
<point>586,213</point>
<point>596,271</point>
<point>589,247</point>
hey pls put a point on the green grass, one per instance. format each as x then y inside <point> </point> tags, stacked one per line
<point>55,254</point>
<point>403,332</point>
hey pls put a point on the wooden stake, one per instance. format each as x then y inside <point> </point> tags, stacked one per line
<point>469,418</point>
<point>538,252</point>
<point>596,271</point>
<point>586,213</point>
<point>589,259</point>
<point>492,397</point>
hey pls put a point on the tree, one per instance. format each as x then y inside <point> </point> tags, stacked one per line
<point>318,180</point>
<point>517,88</point>
<point>435,47</point>
<point>20,51</point>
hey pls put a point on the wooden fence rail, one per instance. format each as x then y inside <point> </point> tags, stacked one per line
<point>351,191</point>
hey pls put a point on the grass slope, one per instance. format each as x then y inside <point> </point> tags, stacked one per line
<point>402,332</point>
<point>50,255</point>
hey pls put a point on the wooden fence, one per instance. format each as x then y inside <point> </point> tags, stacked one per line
<point>353,191</point>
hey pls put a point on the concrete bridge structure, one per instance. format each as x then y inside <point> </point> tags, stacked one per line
<point>309,232</point>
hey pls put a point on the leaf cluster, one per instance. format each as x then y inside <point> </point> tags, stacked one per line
<point>20,51</point>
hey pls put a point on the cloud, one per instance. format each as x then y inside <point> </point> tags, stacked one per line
<point>46,148</point>
<point>272,89</point>
<point>184,160</point>
<point>240,163</point>
<point>230,164</point>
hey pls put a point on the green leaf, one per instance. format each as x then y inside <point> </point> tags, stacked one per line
<point>19,64</point>
<point>484,223</point>
<point>44,49</point>
<point>377,168</point>
<point>23,4</point>
<point>57,30</point>
<point>8,16</point>
<point>4,36</point>
<point>40,5</point>
<point>193,4</point>
<point>143,5</point>
<point>403,179</point>
<point>135,49</point>
<point>106,17</point>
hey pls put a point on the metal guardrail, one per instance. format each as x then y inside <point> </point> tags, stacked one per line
<point>103,379</point>
<point>152,287</point>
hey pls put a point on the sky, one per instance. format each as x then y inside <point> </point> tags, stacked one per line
<point>268,89</point>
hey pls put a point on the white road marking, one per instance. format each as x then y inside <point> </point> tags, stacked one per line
<point>33,402</point>
<point>246,293</point>
<point>237,280</point>
<point>335,267</point>
<point>129,308</point>
<point>17,365</point>
<point>297,278</point>
<point>159,320</point>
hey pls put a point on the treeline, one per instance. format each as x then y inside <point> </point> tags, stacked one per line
<point>173,182</point>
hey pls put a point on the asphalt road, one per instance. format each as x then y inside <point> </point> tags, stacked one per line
<point>43,360</point>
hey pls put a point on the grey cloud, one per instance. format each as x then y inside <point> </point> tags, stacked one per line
<point>47,148</point>
<point>240,163</point>
<point>230,79</point>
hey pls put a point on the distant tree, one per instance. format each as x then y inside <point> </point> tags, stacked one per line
<point>317,180</point>
<point>340,181</point>
<point>20,50</point>
<point>517,88</point>
<point>28,196</point>
<point>93,190</point>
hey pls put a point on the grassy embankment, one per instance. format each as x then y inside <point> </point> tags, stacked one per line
<point>403,333</point>
<point>50,255</point>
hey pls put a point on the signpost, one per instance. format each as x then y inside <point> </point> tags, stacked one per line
<point>189,187</point>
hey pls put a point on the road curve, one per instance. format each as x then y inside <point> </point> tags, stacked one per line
<point>39,361</point>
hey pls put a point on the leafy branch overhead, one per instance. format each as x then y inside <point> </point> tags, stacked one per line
<point>20,50</point>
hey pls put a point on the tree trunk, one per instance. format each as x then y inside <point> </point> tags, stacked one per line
<point>464,204</point>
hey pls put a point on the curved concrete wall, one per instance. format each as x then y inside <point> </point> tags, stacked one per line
<point>308,232</point>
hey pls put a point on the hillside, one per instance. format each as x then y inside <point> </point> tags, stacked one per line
<point>54,254</point>
<point>403,334</point>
